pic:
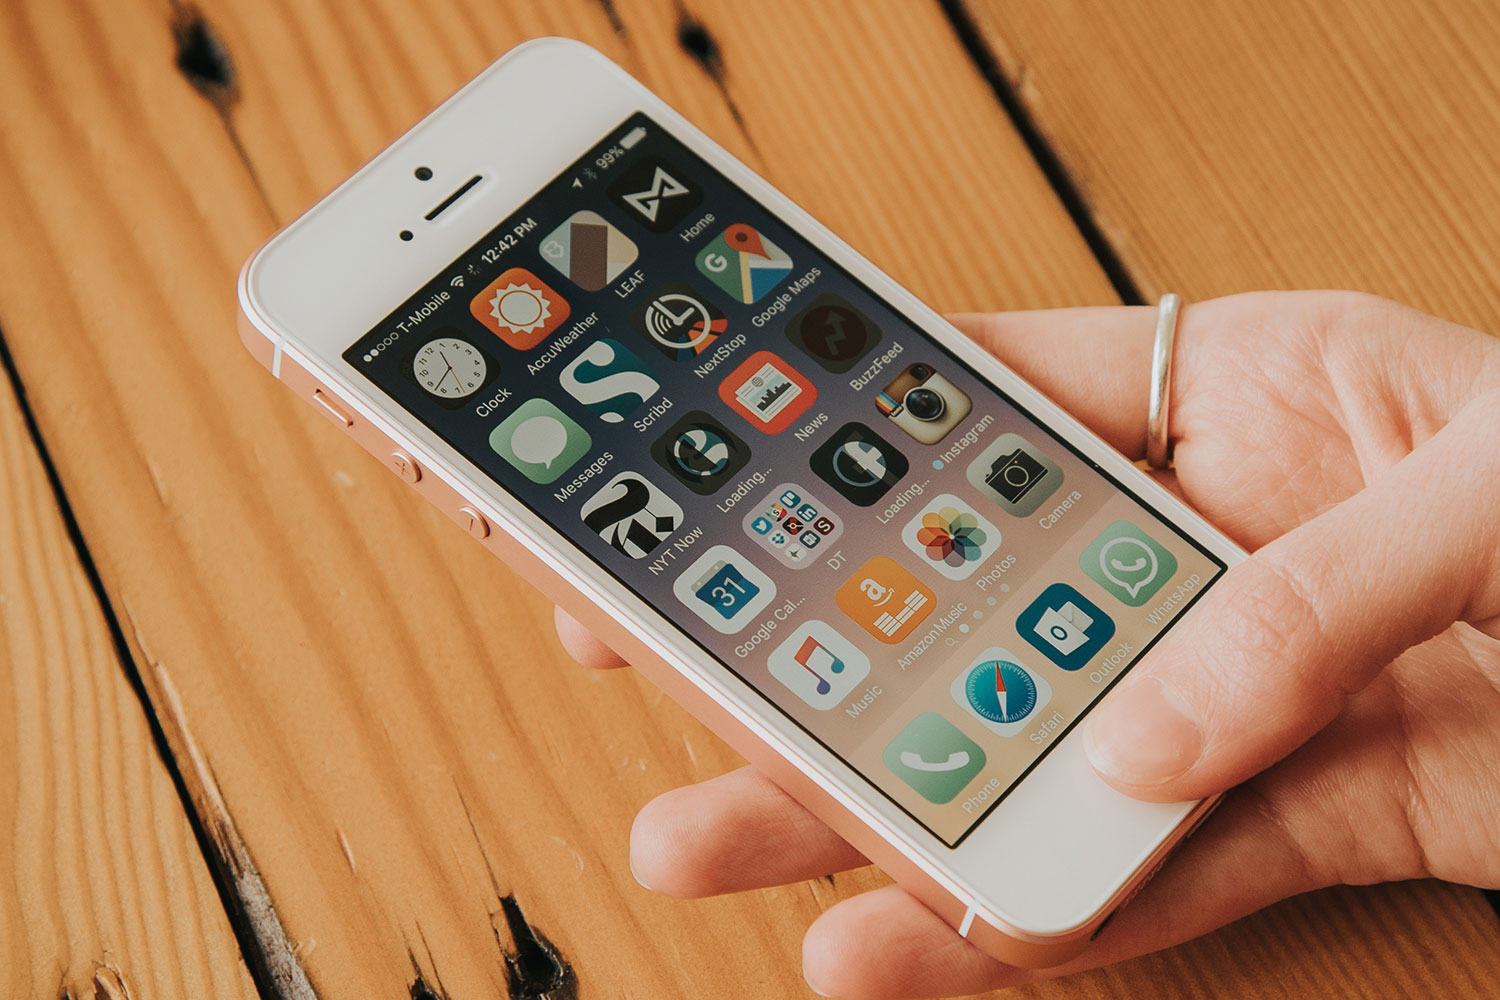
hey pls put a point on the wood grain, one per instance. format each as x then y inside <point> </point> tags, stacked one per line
<point>103,890</point>
<point>425,785</point>
<point>384,709</point>
<point>1225,146</point>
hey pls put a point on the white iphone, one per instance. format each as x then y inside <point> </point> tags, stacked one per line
<point>873,559</point>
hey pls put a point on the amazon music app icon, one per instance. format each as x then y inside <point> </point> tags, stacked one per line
<point>820,666</point>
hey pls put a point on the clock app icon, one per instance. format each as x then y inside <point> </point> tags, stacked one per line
<point>450,369</point>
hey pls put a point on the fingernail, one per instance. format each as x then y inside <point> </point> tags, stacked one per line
<point>1143,734</point>
<point>810,985</point>
<point>637,875</point>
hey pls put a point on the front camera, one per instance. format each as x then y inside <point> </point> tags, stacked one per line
<point>423,173</point>
<point>406,235</point>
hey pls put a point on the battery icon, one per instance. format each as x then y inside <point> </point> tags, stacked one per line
<point>634,136</point>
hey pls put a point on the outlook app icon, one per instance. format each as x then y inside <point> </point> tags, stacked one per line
<point>1065,627</point>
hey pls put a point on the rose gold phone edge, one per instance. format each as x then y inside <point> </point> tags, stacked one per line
<point>995,936</point>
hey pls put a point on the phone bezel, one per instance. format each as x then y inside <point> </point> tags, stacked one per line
<point>1083,841</point>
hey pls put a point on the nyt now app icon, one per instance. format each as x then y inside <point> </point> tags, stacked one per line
<point>1065,627</point>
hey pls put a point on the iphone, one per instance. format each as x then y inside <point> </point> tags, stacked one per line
<point>874,560</point>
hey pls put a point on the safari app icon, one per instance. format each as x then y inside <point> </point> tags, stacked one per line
<point>540,441</point>
<point>1128,563</point>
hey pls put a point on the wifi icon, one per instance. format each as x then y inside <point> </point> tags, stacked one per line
<point>457,281</point>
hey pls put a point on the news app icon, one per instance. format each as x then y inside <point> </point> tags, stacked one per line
<point>1015,474</point>
<point>819,666</point>
<point>655,194</point>
<point>588,250</point>
<point>768,392</point>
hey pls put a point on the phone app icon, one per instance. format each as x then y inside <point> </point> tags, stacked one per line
<point>520,308</point>
<point>449,368</point>
<point>1014,474</point>
<point>744,263</point>
<point>632,515</point>
<point>1000,691</point>
<point>655,194</point>
<point>790,523</point>
<point>724,589</point>
<point>885,600</point>
<point>678,321</point>
<point>1128,563</point>
<point>588,250</point>
<point>923,403</point>
<point>934,757</point>
<point>820,666</point>
<point>768,392</point>
<point>609,379</point>
<point>541,441</point>
<point>1065,626</point>
<point>833,333</point>
<point>701,453</point>
<point>860,464</point>
<point>951,536</point>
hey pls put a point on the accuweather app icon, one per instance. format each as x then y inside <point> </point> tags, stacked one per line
<point>655,194</point>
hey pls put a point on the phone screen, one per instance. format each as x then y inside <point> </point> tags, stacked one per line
<point>889,549</point>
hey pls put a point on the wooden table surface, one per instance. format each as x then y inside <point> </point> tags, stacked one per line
<point>270,724</point>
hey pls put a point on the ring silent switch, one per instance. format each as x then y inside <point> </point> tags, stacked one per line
<point>334,411</point>
<point>404,466</point>
<point>473,522</point>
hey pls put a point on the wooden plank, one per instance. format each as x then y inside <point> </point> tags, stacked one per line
<point>103,891</point>
<point>416,772</point>
<point>1225,147</point>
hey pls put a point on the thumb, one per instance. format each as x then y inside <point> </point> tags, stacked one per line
<point>1273,651</point>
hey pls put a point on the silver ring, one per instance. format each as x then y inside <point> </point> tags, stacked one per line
<point>1158,441</point>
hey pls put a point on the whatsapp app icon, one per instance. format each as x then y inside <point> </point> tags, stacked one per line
<point>1128,563</point>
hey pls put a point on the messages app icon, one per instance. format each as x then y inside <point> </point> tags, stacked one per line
<point>540,440</point>
<point>1128,563</point>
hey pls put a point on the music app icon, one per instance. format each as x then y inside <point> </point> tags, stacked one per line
<point>820,666</point>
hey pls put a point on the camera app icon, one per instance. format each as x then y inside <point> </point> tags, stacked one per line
<point>1014,474</point>
<point>923,403</point>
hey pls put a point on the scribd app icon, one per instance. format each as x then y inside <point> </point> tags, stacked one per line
<point>1128,563</point>
<point>609,379</point>
<point>934,757</point>
<point>541,441</point>
<point>744,263</point>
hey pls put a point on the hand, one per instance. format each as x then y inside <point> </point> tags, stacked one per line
<point>1348,674</point>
